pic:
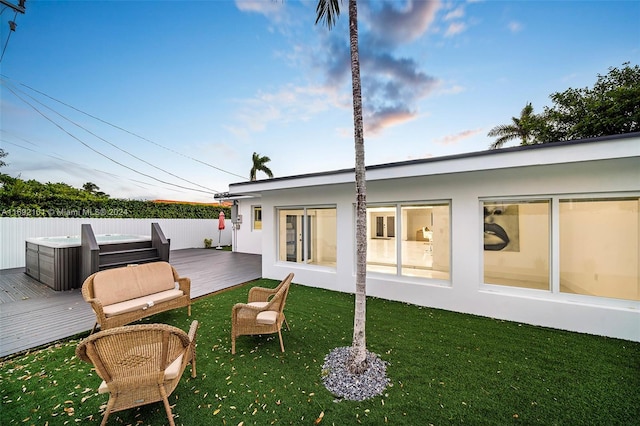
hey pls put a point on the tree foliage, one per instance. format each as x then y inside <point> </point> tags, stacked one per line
<point>30,198</point>
<point>610,107</point>
<point>523,128</point>
<point>259,164</point>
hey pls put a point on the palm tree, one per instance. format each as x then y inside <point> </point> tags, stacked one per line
<point>259,164</point>
<point>328,11</point>
<point>90,187</point>
<point>522,128</point>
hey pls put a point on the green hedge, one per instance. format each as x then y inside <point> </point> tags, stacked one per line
<point>19,198</point>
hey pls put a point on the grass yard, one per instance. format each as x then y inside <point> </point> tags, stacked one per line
<point>444,368</point>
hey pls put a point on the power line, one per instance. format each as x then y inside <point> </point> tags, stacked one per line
<point>127,131</point>
<point>83,166</point>
<point>98,152</point>
<point>114,145</point>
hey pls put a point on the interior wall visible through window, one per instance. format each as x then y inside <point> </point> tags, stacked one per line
<point>411,240</point>
<point>308,235</point>
<point>599,247</point>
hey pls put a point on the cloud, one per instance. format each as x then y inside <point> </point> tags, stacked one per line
<point>452,90</point>
<point>387,117</point>
<point>454,139</point>
<point>288,104</point>
<point>455,28</point>
<point>454,19</point>
<point>336,62</point>
<point>391,89</point>
<point>392,86</point>
<point>393,26</point>
<point>267,8</point>
<point>275,11</point>
<point>456,13</point>
<point>514,26</point>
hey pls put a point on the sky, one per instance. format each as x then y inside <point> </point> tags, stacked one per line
<point>170,99</point>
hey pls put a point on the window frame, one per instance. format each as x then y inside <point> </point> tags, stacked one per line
<point>554,261</point>
<point>306,238</point>
<point>550,257</point>
<point>397,207</point>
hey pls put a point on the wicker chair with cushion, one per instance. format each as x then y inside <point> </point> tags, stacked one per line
<point>140,364</point>
<point>262,314</point>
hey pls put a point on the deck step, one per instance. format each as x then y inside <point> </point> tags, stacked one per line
<point>125,263</point>
<point>118,258</point>
<point>132,251</point>
<point>114,247</point>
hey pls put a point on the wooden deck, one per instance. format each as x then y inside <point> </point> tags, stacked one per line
<point>33,315</point>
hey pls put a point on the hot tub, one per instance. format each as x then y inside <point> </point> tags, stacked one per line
<point>56,261</point>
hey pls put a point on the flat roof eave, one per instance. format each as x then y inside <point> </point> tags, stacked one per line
<point>564,152</point>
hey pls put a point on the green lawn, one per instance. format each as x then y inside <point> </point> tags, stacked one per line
<point>444,368</point>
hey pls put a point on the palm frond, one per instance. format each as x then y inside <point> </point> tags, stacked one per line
<point>327,11</point>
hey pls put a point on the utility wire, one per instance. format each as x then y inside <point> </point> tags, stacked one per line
<point>127,131</point>
<point>55,157</point>
<point>114,145</point>
<point>98,152</point>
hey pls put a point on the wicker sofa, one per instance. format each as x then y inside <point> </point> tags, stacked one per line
<point>122,295</point>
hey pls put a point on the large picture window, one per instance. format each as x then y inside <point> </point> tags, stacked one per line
<point>516,241</point>
<point>411,240</point>
<point>599,247</point>
<point>307,235</point>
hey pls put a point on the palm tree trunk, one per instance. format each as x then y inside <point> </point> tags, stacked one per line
<point>359,350</point>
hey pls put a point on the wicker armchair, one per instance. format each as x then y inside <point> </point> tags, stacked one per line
<point>262,314</point>
<point>140,364</point>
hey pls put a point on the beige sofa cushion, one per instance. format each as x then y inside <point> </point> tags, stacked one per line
<point>141,302</point>
<point>131,282</point>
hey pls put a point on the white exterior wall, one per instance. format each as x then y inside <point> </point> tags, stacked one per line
<point>247,239</point>
<point>183,233</point>
<point>466,292</point>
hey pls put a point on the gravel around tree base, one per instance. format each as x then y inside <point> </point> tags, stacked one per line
<point>355,387</point>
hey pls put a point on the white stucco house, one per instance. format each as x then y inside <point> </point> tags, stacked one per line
<point>546,235</point>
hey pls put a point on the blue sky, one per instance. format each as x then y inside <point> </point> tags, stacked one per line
<point>169,99</point>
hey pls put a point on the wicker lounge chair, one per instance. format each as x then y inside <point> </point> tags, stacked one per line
<point>140,364</point>
<point>262,314</point>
